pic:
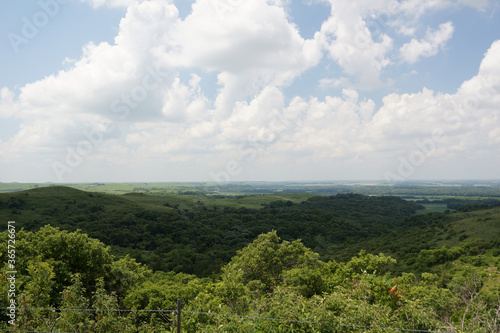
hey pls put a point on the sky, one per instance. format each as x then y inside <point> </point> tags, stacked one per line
<point>249,90</point>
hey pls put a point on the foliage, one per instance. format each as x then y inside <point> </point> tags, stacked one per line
<point>269,278</point>
<point>199,238</point>
<point>265,259</point>
<point>245,273</point>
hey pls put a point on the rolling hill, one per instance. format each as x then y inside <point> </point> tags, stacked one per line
<point>199,233</point>
<point>196,234</point>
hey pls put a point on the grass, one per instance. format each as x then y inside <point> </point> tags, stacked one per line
<point>254,201</point>
<point>49,201</point>
<point>433,208</point>
<point>109,188</point>
<point>257,201</point>
<point>457,227</point>
<point>483,224</point>
<point>55,200</point>
<point>172,200</point>
<point>14,187</point>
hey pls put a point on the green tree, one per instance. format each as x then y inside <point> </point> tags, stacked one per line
<point>71,253</point>
<point>126,273</point>
<point>265,260</point>
<point>73,297</point>
<point>36,295</point>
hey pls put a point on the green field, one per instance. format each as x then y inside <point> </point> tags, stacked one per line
<point>433,208</point>
<point>254,201</point>
<point>420,190</point>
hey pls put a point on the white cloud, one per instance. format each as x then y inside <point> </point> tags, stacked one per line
<point>347,39</point>
<point>149,85</point>
<point>7,104</point>
<point>479,97</point>
<point>252,45</point>
<point>255,35</point>
<point>333,128</point>
<point>107,79</point>
<point>248,121</point>
<point>429,46</point>
<point>357,36</point>
<point>406,30</point>
<point>466,122</point>
<point>416,8</point>
<point>447,129</point>
<point>477,4</point>
<point>106,72</point>
<point>184,102</point>
<point>111,3</point>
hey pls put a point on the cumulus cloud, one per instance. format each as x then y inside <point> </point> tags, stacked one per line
<point>140,101</point>
<point>429,46</point>
<point>435,127</point>
<point>115,83</point>
<point>251,46</point>
<point>255,35</point>
<point>7,105</point>
<point>333,128</point>
<point>347,39</point>
<point>452,128</point>
<point>357,36</point>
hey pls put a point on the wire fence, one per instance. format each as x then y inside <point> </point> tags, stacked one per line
<point>93,310</point>
<point>179,312</point>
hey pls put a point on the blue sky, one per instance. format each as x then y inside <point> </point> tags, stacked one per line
<point>235,90</point>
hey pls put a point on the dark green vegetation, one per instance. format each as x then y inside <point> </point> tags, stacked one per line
<point>196,236</point>
<point>446,274</point>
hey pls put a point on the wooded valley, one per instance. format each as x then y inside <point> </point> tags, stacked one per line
<point>341,260</point>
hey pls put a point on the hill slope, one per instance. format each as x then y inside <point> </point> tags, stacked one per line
<point>197,238</point>
<point>480,227</point>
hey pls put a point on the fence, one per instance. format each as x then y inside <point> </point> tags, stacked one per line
<point>179,312</point>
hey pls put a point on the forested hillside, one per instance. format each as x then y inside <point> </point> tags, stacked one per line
<point>201,239</point>
<point>344,260</point>
<point>268,286</point>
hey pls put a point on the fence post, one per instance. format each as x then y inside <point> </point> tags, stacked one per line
<point>178,315</point>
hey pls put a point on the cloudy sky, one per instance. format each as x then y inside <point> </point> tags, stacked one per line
<point>235,90</point>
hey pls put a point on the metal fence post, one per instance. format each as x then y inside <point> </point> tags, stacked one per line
<point>178,315</point>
